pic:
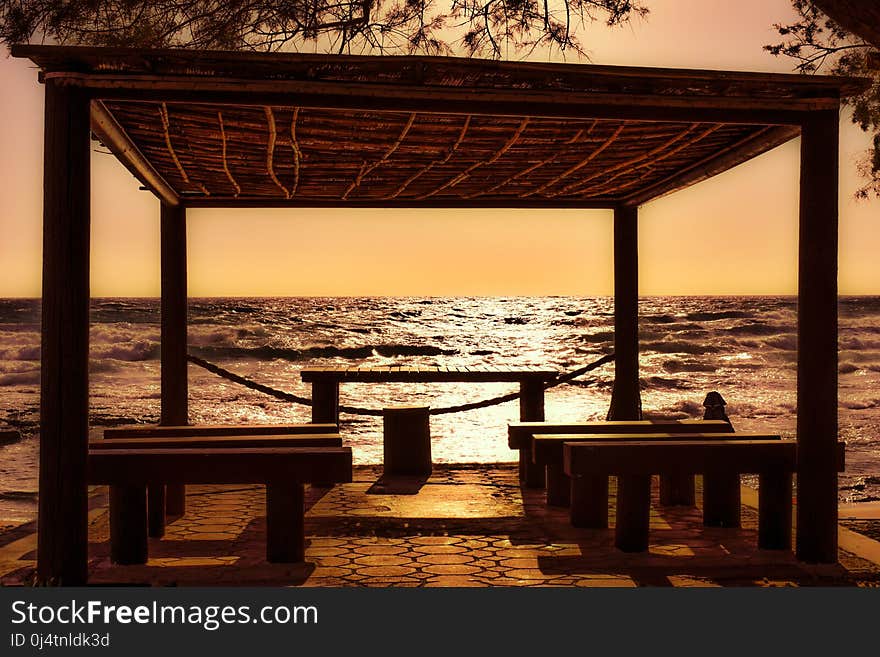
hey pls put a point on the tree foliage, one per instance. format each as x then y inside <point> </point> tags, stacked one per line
<point>493,28</point>
<point>819,43</point>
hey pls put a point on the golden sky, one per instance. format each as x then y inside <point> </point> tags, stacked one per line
<point>733,234</point>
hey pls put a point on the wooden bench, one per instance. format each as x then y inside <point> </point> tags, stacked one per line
<point>721,491</point>
<point>520,434</point>
<point>156,511</point>
<point>634,462</point>
<point>325,392</point>
<point>283,470</point>
<point>174,502</point>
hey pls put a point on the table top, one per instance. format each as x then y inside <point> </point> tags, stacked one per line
<point>428,374</point>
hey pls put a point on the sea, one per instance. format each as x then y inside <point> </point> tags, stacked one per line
<point>743,347</point>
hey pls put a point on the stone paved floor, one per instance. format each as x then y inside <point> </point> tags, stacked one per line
<point>465,526</point>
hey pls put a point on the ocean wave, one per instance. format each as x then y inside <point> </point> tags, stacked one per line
<point>127,351</point>
<point>655,382</point>
<point>675,366</point>
<point>786,342</point>
<point>847,368</point>
<point>27,352</point>
<point>711,316</point>
<point>858,344</point>
<point>268,352</point>
<point>30,377</point>
<point>861,405</point>
<point>679,347</point>
<point>755,328</point>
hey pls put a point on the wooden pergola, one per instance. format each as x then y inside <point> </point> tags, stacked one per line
<point>219,129</point>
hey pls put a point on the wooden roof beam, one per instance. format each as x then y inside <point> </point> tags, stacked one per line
<point>462,203</point>
<point>402,98</point>
<point>114,137</point>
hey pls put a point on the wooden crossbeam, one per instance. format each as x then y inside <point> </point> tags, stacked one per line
<point>225,161</point>
<point>270,151</point>
<point>427,168</point>
<point>606,187</point>
<point>580,165</point>
<point>627,163</point>
<point>524,172</point>
<point>464,175</point>
<point>166,129</point>
<point>367,169</point>
<point>297,153</point>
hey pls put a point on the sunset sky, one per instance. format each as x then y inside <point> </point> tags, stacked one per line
<point>733,234</point>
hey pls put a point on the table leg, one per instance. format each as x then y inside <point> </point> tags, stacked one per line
<point>285,522</point>
<point>128,524</point>
<point>325,402</point>
<point>589,501</point>
<point>633,513</point>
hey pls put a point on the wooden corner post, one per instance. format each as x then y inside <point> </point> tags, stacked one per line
<point>62,544</point>
<point>626,402</point>
<point>175,390</point>
<point>817,340</point>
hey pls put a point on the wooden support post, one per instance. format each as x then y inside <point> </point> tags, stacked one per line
<point>817,341</point>
<point>285,522</point>
<point>531,409</point>
<point>633,513</point>
<point>128,524</point>
<point>325,402</point>
<point>175,390</point>
<point>64,402</point>
<point>774,511</point>
<point>589,502</point>
<point>626,402</point>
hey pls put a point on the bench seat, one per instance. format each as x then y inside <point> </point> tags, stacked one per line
<point>283,470</point>
<point>201,430</point>
<point>169,442</point>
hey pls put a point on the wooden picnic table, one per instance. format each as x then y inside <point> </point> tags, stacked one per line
<point>325,391</point>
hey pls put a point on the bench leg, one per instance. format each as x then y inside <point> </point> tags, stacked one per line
<point>531,474</point>
<point>677,490</point>
<point>128,524</point>
<point>774,511</point>
<point>156,510</point>
<point>633,513</point>
<point>558,486</point>
<point>589,502</point>
<point>285,516</point>
<point>721,499</point>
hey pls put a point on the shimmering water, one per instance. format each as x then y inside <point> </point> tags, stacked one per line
<point>744,347</point>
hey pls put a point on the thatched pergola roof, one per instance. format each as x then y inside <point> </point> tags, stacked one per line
<point>219,128</point>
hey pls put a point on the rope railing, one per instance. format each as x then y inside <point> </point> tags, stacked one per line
<point>358,410</point>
